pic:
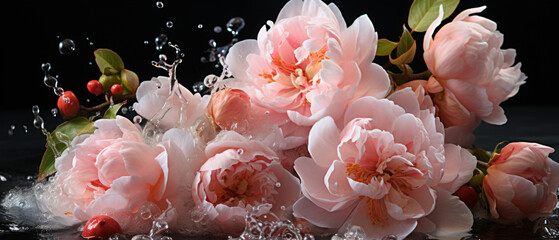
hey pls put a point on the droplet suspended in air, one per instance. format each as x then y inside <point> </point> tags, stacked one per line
<point>198,87</point>
<point>200,26</point>
<point>169,24</point>
<point>160,41</point>
<point>212,43</point>
<point>217,29</point>
<point>159,4</point>
<point>66,46</point>
<point>235,25</point>
<point>54,112</point>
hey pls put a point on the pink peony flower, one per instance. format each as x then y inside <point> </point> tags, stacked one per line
<point>459,122</point>
<point>113,172</point>
<point>379,171</point>
<point>474,76</point>
<point>240,174</point>
<point>309,64</point>
<point>229,107</point>
<point>155,100</point>
<point>522,182</point>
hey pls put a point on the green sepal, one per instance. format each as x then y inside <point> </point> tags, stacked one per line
<point>424,12</point>
<point>405,50</point>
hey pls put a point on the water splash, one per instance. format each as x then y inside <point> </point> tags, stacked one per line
<point>235,25</point>
<point>268,226</point>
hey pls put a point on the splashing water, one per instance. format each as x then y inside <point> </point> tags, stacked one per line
<point>235,25</point>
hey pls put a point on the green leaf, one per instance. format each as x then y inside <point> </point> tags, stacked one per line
<point>57,141</point>
<point>113,110</point>
<point>385,47</point>
<point>406,42</point>
<point>106,58</point>
<point>424,12</point>
<point>406,49</point>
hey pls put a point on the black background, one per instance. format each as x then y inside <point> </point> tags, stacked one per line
<point>31,31</point>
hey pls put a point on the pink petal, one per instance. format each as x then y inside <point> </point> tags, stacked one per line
<point>450,216</point>
<point>237,57</point>
<point>304,208</point>
<point>323,139</point>
<point>139,161</point>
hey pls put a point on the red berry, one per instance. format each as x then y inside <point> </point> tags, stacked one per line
<point>68,104</point>
<point>468,195</point>
<point>95,87</point>
<point>101,226</point>
<point>117,89</point>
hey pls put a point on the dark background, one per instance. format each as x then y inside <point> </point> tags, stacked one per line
<point>31,31</point>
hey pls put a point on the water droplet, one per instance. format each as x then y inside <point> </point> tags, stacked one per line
<point>10,132</point>
<point>278,184</point>
<point>336,184</point>
<point>35,109</point>
<point>124,110</point>
<point>234,25</point>
<point>158,227</point>
<point>210,80</point>
<point>38,122</point>
<point>240,151</point>
<point>169,24</point>
<point>160,41</point>
<point>354,233</point>
<point>141,237</point>
<point>198,87</point>
<point>2,178</point>
<point>217,29</point>
<point>59,91</point>
<point>267,112</point>
<point>66,46</point>
<point>145,213</point>
<point>137,119</point>
<point>131,108</point>
<point>90,43</point>
<point>146,42</point>
<point>54,112</point>
<point>25,128</point>
<point>159,4</point>
<point>212,43</point>
<point>200,26</point>
<point>282,208</point>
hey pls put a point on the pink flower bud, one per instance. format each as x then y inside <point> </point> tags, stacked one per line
<point>229,107</point>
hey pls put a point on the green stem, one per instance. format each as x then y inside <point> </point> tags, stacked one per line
<point>116,99</point>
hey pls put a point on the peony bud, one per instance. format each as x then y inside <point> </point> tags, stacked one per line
<point>228,107</point>
<point>130,80</point>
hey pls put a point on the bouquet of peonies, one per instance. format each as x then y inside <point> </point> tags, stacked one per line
<point>305,134</point>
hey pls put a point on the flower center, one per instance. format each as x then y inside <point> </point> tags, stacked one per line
<point>244,187</point>
<point>302,74</point>
<point>377,209</point>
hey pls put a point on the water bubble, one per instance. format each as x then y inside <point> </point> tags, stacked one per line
<point>169,24</point>
<point>267,112</point>
<point>240,151</point>
<point>212,43</point>
<point>130,108</point>
<point>278,184</point>
<point>210,80</point>
<point>38,122</point>
<point>158,227</point>
<point>200,26</point>
<point>2,178</point>
<point>234,25</point>
<point>217,29</point>
<point>59,91</point>
<point>203,60</point>
<point>124,110</point>
<point>35,109</point>
<point>198,87</point>
<point>159,4</point>
<point>137,119</point>
<point>160,41</point>
<point>54,112</point>
<point>66,46</point>
<point>354,233</point>
<point>25,128</point>
<point>142,237</point>
<point>90,43</point>
<point>146,42</point>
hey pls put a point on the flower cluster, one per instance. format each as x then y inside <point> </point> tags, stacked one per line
<point>309,129</point>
